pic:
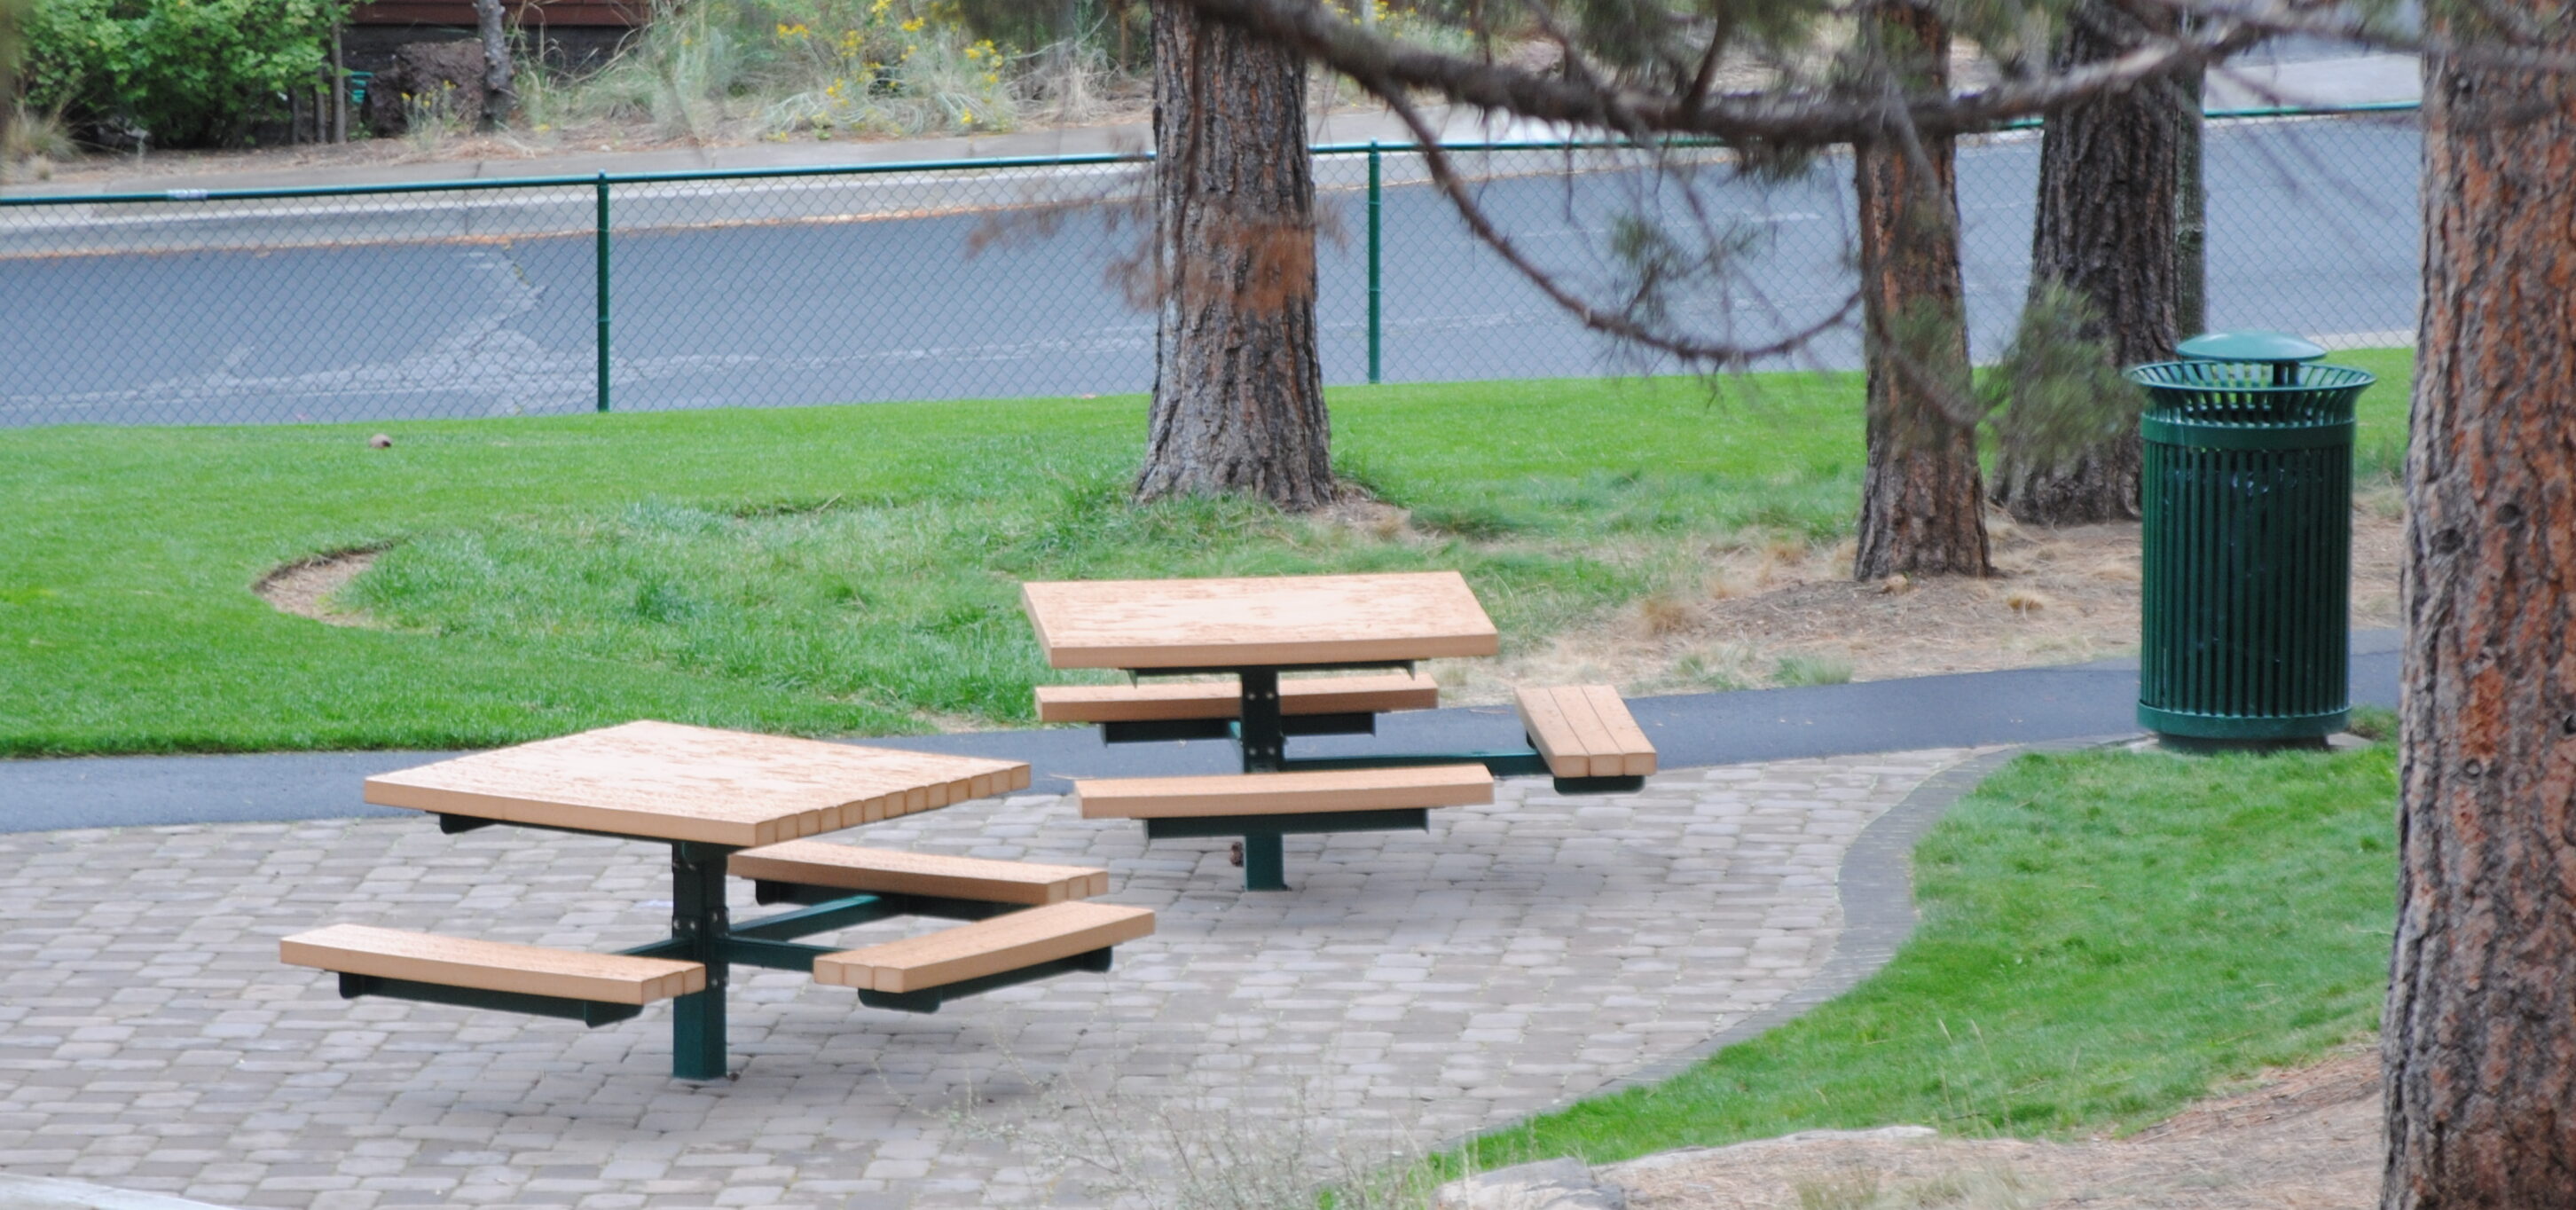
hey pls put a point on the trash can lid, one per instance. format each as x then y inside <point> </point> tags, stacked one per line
<point>2249,346</point>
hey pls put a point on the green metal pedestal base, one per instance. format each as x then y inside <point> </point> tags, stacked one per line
<point>698,1036</point>
<point>699,922</point>
<point>1265,862</point>
<point>2262,730</point>
<point>2196,746</point>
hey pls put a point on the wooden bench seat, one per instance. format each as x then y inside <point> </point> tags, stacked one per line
<point>1298,793</point>
<point>917,973</point>
<point>892,872</point>
<point>490,974</point>
<point>1162,701</point>
<point>1262,807</point>
<point>1585,732</point>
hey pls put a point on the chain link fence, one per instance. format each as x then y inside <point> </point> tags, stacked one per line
<point>1002,278</point>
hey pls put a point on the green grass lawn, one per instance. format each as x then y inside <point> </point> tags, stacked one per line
<point>842,570</point>
<point>2105,936</point>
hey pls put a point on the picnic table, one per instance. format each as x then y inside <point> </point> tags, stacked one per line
<point>1255,629</point>
<point>724,799</point>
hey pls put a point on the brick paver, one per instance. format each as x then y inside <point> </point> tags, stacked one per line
<point>1412,987</point>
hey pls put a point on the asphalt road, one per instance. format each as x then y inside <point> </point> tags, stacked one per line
<point>883,289</point>
<point>2019,706</point>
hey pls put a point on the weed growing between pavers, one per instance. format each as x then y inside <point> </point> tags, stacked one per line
<point>2105,937</point>
<point>1271,1138</point>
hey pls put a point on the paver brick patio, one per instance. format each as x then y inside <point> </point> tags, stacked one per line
<point>1412,988</point>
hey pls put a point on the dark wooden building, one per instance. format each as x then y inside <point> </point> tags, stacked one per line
<point>572,33</point>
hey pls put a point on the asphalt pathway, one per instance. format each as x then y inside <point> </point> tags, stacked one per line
<point>1964,710</point>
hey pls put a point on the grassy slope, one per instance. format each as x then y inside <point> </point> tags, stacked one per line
<point>817,570</point>
<point>2105,936</point>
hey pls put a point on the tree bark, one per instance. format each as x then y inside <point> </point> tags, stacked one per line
<point>2109,168</point>
<point>1922,503</point>
<point>2479,1032</point>
<point>1238,391</point>
<point>500,88</point>
<point>11,12</point>
<point>2191,212</point>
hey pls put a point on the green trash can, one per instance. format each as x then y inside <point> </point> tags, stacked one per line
<point>2245,623</point>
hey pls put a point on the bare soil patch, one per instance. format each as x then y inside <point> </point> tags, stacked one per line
<point>305,587</point>
<point>1784,614</point>
<point>2300,1140</point>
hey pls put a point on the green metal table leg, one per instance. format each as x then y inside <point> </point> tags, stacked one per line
<point>1264,739</point>
<point>1264,868</point>
<point>699,923</point>
<point>698,1035</point>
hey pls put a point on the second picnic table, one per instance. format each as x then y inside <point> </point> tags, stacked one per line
<point>1254,630</point>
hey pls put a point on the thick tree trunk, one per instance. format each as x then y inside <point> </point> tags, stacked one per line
<point>500,88</point>
<point>2479,1034</point>
<point>9,10</point>
<point>2191,213</point>
<point>2105,232</point>
<point>1921,505</point>
<point>1238,392</point>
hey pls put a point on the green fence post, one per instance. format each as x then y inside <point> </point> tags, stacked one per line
<point>1377,284</point>
<point>599,254</point>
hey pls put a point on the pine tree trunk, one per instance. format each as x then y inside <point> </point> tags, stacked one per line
<point>1922,503</point>
<point>500,89</point>
<point>2108,171</point>
<point>2479,1032</point>
<point>2191,213</point>
<point>8,74</point>
<point>1238,392</point>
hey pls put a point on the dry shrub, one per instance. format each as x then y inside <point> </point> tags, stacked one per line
<point>1665,614</point>
<point>1261,1142</point>
<point>1985,1188</point>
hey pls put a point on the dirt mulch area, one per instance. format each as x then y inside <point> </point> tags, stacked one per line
<point>305,587</point>
<point>2301,1140</point>
<point>1790,615</point>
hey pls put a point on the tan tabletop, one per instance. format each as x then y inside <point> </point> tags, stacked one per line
<point>672,782</point>
<point>1269,621</point>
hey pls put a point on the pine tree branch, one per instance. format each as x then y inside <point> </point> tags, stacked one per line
<point>1615,323</point>
<point>1802,117</point>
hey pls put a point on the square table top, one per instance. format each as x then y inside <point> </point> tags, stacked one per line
<point>1273,621</point>
<point>666,781</point>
